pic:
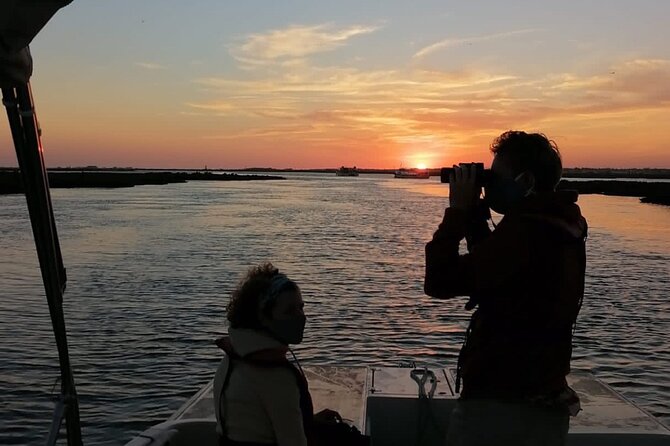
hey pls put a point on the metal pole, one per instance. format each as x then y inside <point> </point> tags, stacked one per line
<point>26,136</point>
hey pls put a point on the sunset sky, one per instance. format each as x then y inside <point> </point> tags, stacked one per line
<point>165,83</point>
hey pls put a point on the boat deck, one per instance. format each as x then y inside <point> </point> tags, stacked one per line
<point>383,402</point>
<point>340,388</point>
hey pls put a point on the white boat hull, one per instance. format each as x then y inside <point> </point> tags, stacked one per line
<point>383,402</point>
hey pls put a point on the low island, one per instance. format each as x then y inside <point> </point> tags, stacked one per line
<point>650,185</point>
<point>10,179</point>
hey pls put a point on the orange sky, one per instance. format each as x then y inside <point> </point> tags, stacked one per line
<point>371,92</point>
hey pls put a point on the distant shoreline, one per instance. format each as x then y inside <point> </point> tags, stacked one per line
<point>578,172</point>
<point>10,181</point>
<point>648,192</point>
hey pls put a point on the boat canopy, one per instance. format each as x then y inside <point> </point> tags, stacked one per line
<point>20,21</point>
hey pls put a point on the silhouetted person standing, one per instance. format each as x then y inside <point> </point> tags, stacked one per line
<point>525,279</point>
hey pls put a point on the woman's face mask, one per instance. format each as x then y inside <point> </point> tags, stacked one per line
<point>287,322</point>
<point>289,330</point>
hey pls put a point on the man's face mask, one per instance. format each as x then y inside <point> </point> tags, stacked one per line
<point>503,194</point>
<point>289,330</point>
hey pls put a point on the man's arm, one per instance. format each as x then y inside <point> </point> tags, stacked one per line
<point>488,266</point>
<point>442,254</point>
<point>465,207</point>
<point>478,228</point>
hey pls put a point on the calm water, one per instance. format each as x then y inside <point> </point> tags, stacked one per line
<point>150,268</point>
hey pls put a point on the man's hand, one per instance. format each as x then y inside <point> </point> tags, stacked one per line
<point>463,189</point>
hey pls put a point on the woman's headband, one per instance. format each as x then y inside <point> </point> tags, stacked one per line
<point>277,284</point>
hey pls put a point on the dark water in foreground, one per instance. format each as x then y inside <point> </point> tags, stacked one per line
<point>150,267</point>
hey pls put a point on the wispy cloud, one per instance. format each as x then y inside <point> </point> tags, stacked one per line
<point>150,65</point>
<point>452,42</point>
<point>646,78</point>
<point>212,106</point>
<point>317,105</point>
<point>295,42</point>
<point>420,110</point>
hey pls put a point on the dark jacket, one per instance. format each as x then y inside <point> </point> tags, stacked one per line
<point>526,279</point>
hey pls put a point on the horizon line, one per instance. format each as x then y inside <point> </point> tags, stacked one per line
<point>298,169</point>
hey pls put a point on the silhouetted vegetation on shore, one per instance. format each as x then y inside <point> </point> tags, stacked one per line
<point>10,180</point>
<point>573,172</point>
<point>580,172</point>
<point>647,174</point>
<point>649,192</point>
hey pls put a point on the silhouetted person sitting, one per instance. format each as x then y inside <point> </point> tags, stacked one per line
<point>525,278</point>
<point>260,397</point>
<point>257,392</point>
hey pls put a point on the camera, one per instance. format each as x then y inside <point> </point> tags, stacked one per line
<point>483,175</point>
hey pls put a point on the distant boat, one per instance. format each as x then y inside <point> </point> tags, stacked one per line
<point>412,173</point>
<point>347,172</point>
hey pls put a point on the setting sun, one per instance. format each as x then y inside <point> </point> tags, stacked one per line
<point>421,166</point>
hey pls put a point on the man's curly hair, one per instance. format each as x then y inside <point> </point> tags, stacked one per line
<point>532,152</point>
<point>242,310</point>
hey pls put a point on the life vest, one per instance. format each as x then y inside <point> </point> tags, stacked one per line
<point>306,406</point>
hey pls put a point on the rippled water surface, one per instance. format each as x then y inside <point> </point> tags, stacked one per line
<point>150,267</point>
